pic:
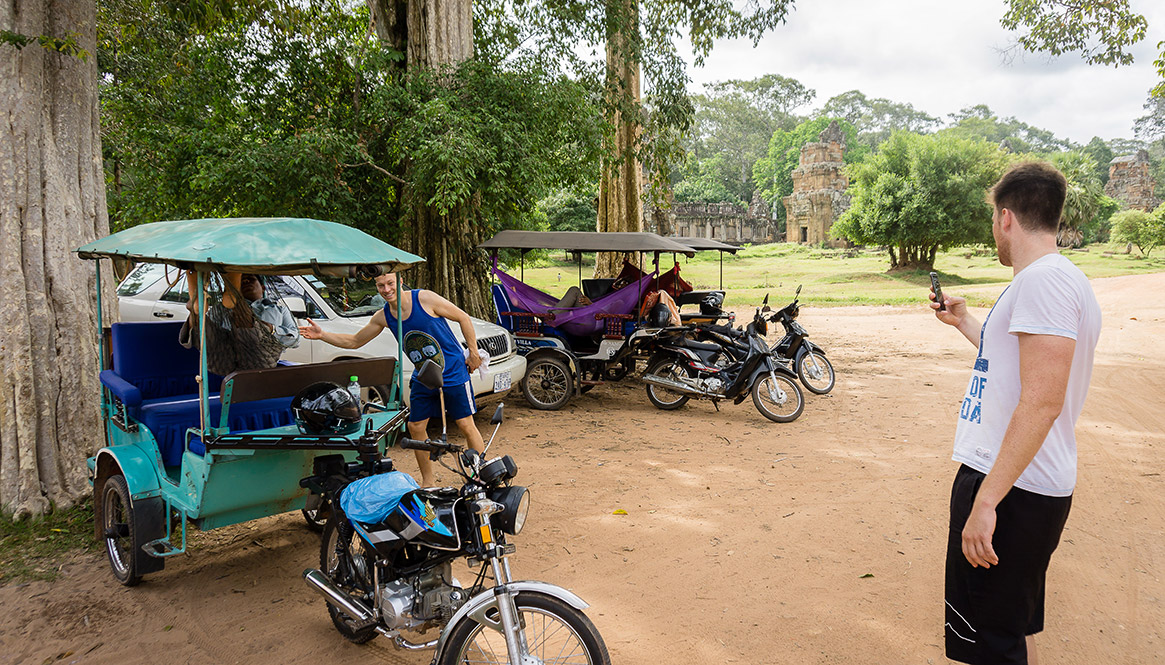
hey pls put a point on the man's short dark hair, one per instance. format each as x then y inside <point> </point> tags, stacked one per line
<point>1035,192</point>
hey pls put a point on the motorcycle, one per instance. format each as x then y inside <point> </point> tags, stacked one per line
<point>387,551</point>
<point>806,358</point>
<point>683,368</point>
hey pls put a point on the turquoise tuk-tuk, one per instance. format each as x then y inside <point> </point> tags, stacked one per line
<point>184,445</point>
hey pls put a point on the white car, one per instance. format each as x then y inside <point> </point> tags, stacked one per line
<point>151,293</point>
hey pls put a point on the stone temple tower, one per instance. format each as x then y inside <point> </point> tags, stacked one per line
<point>1130,182</point>
<point>819,184</point>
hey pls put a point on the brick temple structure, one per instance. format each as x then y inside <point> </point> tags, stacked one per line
<point>1130,182</point>
<point>819,184</point>
<point>726,222</point>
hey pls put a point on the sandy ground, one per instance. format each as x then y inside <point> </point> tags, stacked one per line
<point>745,541</point>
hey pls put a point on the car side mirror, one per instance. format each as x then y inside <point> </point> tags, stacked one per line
<point>430,375</point>
<point>498,415</point>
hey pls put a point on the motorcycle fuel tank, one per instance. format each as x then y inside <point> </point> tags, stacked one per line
<point>423,516</point>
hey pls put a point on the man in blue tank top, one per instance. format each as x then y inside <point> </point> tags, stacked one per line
<point>427,336</point>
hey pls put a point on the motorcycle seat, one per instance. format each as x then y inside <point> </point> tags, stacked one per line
<point>702,346</point>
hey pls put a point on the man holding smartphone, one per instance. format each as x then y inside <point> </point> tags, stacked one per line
<point>1015,436</point>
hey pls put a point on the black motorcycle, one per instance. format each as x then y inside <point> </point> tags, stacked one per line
<point>683,368</point>
<point>808,359</point>
<point>393,572</point>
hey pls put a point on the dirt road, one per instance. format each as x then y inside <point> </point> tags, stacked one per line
<point>818,541</point>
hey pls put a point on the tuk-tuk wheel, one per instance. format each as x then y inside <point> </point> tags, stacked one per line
<point>117,526</point>
<point>548,383</point>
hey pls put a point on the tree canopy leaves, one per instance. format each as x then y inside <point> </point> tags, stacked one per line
<point>919,194</point>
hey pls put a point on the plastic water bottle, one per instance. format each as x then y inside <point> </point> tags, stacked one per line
<point>354,388</point>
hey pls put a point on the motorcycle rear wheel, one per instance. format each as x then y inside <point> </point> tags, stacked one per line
<point>359,587</point>
<point>778,411</point>
<point>816,372</point>
<point>662,398</point>
<point>555,633</point>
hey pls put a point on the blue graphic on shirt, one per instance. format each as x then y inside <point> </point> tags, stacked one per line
<point>972,407</point>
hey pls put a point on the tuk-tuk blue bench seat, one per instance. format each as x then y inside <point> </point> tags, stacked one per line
<point>153,377</point>
<point>169,418</point>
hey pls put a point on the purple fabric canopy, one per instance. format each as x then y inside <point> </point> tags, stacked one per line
<point>576,320</point>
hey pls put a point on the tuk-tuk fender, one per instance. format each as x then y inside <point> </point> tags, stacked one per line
<point>475,608</point>
<point>140,475</point>
<point>554,352</point>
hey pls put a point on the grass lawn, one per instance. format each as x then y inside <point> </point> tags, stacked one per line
<point>32,549</point>
<point>837,277</point>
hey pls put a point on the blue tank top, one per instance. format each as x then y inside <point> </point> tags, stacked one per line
<point>430,338</point>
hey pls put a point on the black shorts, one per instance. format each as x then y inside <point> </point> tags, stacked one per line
<point>990,611</point>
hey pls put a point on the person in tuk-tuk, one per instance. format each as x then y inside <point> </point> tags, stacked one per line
<point>240,338</point>
<point>427,336</point>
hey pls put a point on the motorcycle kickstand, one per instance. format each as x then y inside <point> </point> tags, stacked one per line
<point>716,403</point>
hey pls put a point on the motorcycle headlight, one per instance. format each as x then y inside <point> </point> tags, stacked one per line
<point>516,503</point>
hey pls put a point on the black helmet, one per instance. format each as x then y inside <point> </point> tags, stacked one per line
<point>326,408</point>
<point>659,316</point>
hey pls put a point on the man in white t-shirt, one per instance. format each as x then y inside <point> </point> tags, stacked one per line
<point>1015,437</point>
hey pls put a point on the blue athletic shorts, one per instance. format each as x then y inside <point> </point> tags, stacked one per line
<point>425,403</point>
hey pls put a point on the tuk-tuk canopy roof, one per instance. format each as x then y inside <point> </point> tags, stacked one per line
<point>585,241</point>
<point>278,245</point>
<point>702,244</point>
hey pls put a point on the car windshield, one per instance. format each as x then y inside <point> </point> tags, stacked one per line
<point>348,296</point>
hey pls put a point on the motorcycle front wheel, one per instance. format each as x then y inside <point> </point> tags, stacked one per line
<point>780,402</point>
<point>357,581</point>
<point>554,633</point>
<point>816,372</point>
<point>662,398</point>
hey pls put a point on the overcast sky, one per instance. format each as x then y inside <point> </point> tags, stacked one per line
<point>942,56</point>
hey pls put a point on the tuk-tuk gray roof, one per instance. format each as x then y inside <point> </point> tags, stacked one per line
<point>585,241</point>
<point>703,244</point>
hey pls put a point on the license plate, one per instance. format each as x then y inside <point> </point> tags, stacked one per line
<point>502,381</point>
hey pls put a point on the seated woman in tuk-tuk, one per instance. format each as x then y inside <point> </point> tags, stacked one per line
<point>238,338</point>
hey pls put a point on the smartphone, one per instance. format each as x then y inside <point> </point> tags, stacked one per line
<point>938,292</point>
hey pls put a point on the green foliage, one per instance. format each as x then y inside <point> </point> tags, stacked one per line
<point>1084,199</point>
<point>568,211</point>
<point>300,111</point>
<point>980,123</point>
<point>773,173</point>
<point>734,119</point>
<point>1100,30</point>
<point>67,45</point>
<point>919,194</point>
<point>877,118</point>
<point>711,180</point>
<point>1143,229</point>
<point>1102,155</point>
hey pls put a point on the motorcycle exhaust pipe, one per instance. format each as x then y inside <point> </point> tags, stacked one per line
<point>677,386</point>
<point>331,593</point>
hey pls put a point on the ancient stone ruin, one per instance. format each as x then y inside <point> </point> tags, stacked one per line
<point>819,184</point>
<point>726,222</point>
<point>1130,182</point>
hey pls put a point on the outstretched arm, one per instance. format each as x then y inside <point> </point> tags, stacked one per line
<point>345,341</point>
<point>956,315</point>
<point>443,308</point>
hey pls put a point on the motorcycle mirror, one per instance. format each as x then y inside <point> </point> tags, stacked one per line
<point>798,291</point>
<point>429,375</point>
<point>497,419</point>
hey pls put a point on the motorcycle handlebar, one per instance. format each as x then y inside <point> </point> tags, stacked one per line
<point>428,445</point>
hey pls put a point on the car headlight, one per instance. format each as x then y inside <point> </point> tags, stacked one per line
<point>516,505</point>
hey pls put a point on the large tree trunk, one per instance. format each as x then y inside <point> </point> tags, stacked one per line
<point>52,200</point>
<point>437,34</point>
<point>620,186</point>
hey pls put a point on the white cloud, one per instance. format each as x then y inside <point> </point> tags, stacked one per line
<point>942,56</point>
